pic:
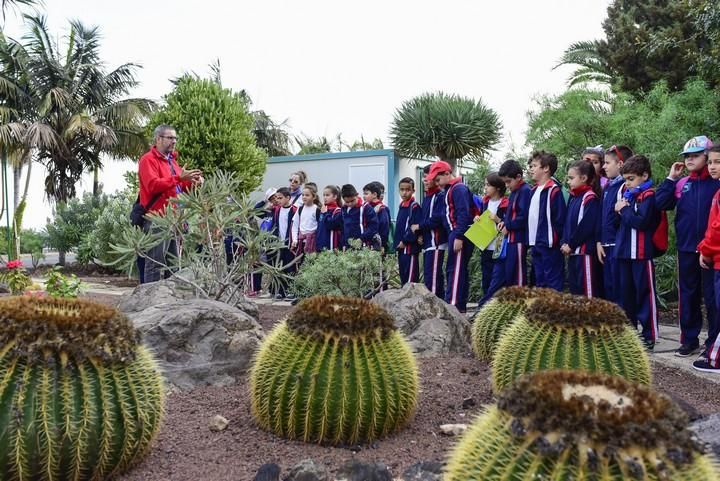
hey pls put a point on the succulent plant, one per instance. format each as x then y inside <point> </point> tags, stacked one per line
<point>335,371</point>
<point>570,332</point>
<point>497,315</point>
<point>575,425</point>
<point>80,398</point>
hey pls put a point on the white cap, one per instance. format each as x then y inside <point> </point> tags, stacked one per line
<point>270,192</point>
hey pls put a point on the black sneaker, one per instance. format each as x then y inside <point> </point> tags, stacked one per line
<point>703,364</point>
<point>686,350</point>
<point>291,297</point>
<point>649,345</point>
<point>279,297</point>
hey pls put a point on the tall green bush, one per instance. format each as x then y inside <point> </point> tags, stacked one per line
<point>74,220</point>
<point>214,129</point>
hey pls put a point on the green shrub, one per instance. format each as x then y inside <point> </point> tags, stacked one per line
<point>108,227</point>
<point>355,272</point>
<point>73,221</point>
<point>81,398</point>
<point>59,285</point>
<point>336,371</point>
<point>573,425</point>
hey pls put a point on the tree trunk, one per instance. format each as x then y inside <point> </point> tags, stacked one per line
<point>96,182</point>
<point>20,207</point>
<point>61,257</point>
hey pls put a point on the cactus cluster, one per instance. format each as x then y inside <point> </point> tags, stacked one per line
<point>570,332</point>
<point>575,425</point>
<point>497,315</point>
<point>335,371</point>
<point>80,398</point>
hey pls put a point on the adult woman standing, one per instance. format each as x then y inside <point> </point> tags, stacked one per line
<point>296,183</point>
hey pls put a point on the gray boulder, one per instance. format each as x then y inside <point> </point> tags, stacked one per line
<point>708,431</point>
<point>308,470</point>
<point>172,290</point>
<point>424,471</point>
<point>199,342</point>
<point>357,471</point>
<point>431,326</point>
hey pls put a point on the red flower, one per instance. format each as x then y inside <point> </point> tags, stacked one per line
<point>14,264</point>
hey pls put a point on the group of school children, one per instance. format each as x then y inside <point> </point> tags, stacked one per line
<point>607,231</point>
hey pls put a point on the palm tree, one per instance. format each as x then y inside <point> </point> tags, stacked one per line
<point>447,126</point>
<point>61,108</point>
<point>592,67</point>
<point>270,136</point>
<point>7,4</point>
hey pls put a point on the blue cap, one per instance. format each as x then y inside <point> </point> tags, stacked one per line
<point>697,144</point>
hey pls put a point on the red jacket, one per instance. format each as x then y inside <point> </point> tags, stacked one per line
<point>156,177</point>
<point>710,245</point>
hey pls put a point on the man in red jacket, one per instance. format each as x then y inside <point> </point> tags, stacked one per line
<point>161,178</point>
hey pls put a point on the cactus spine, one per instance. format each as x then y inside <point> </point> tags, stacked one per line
<point>79,398</point>
<point>570,332</point>
<point>336,371</point>
<point>498,314</point>
<point>573,425</point>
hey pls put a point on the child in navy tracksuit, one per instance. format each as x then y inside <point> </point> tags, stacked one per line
<point>709,248</point>
<point>634,249</point>
<point>282,228</point>
<point>514,224</point>
<point>692,195</point>
<point>431,229</point>
<point>330,224</point>
<point>372,193</point>
<point>458,214</point>
<point>405,240</point>
<point>613,191</point>
<point>359,219</point>
<point>496,203</point>
<point>579,232</point>
<point>546,216</point>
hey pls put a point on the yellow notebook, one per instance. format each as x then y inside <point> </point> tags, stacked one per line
<point>482,232</point>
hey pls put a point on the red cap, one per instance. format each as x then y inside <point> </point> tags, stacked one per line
<point>437,167</point>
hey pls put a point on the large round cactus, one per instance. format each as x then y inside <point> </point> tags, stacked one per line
<point>570,332</point>
<point>336,371</point>
<point>497,315</point>
<point>574,425</point>
<point>79,397</point>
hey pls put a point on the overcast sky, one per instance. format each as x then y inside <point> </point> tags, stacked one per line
<point>334,66</point>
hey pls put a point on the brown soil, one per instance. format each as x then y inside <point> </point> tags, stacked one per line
<point>187,450</point>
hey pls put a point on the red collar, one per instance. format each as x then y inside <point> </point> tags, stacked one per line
<point>331,205</point>
<point>549,183</point>
<point>407,203</point>
<point>580,190</point>
<point>359,202</point>
<point>702,175</point>
<point>432,191</point>
<point>455,180</point>
<point>522,182</point>
<point>375,203</point>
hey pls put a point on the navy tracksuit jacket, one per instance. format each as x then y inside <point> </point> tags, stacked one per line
<point>607,231</point>
<point>634,252</point>
<point>383,217</point>
<point>491,281</point>
<point>359,222</point>
<point>330,229</point>
<point>515,220</point>
<point>692,197</point>
<point>580,234</point>
<point>409,214</point>
<point>458,213</point>
<point>547,260</point>
<point>432,227</point>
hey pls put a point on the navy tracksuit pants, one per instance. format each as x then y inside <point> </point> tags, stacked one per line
<point>583,275</point>
<point>433,274</point>
<point>516,264</point>
<point>695,285</point>
<point>458,282</point>
<point>548,266</point>
<point>610,281</point>
<point>409,268</point>
<point>497,281</point>
<point>286,257</point>
<point>637,293</point>
<point>487,265</point>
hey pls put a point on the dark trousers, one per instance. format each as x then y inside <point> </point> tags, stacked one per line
<point>140,261</point>
<point>158,256</point>
<point>487,265</point>
<point>610,281</point>
<point>583,278</point>
<point>409,266</point>
<point>458,282</point>
<point>433,275</point>
<point>497,281</point>
<point>516,264</point>
<point>695,286</point>
<point>638,295</point>
<point>548,266</point>
<point>285,257</point>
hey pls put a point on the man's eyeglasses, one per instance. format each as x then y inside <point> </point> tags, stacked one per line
<point>169,137</point>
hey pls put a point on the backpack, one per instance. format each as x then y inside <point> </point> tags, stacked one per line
<point>660,236</point>
<point>138,211</point>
